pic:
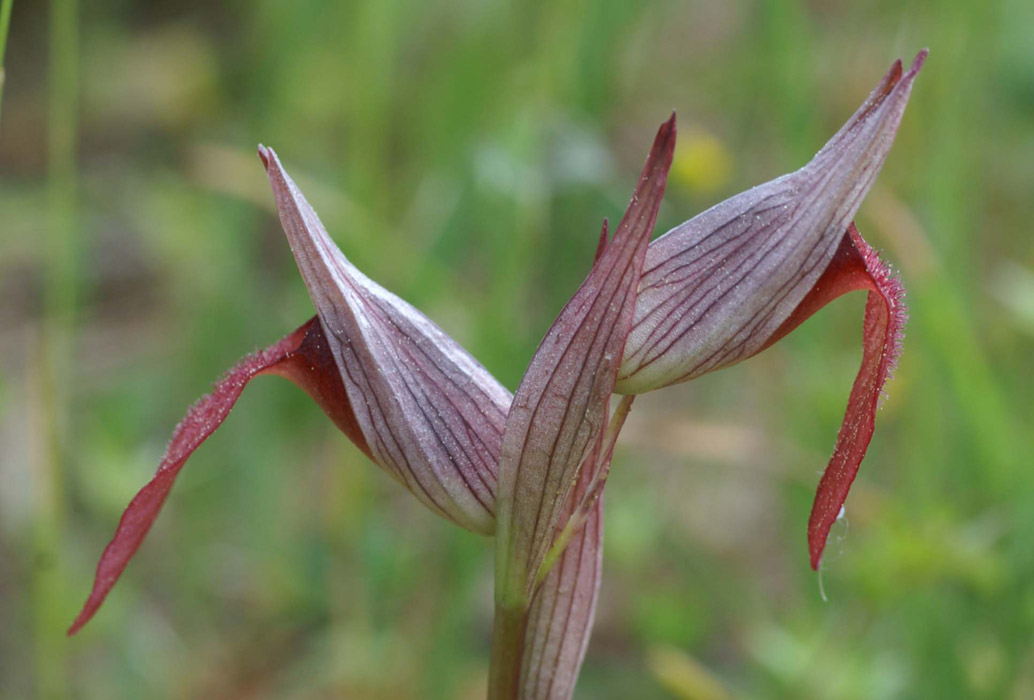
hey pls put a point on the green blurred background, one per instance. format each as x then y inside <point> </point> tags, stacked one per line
<point>463,154</point>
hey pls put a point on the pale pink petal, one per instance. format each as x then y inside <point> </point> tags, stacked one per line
<point>715,289</point>
<point>430,414</point>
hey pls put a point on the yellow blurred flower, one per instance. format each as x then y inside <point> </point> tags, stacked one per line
<point>702,163</point>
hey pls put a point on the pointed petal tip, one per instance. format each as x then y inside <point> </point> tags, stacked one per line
<point>890,80</point>
<point>76,626</point>
<point>905,81</point>
<point>895,79</point>
<point>84,616</point>
<point>897,76</point>
<point>918,61</point>
<point>669,128</point>
<point>265,154</point>
<point>661,154</point>
<point>601,245</point>
<point>664,142</point>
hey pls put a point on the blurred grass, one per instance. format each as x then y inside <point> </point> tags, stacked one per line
<point>463,154</point>
<point>5,26</point>
<point>50,375</point>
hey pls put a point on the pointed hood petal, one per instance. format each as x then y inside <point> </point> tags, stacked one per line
<point>561,404</point>
<point>430,414</point>
<point>302,356</point>
<point>715,289</point>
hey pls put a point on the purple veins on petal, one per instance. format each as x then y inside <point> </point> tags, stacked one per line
<point>561,403</point>
<point>431,415</point>
<point>564,607</point>
<point>404,392</point>
<point>715,289</point>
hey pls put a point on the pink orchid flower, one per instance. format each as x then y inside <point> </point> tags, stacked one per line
<point>530,468</point>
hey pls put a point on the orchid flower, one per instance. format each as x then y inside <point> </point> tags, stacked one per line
<point>530,468</point>
<point>733,280</point>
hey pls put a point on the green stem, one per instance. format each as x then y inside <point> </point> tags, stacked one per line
<point>5,26</point>
<point>511,619</point>
<point>511,609</point>
<point>55,356</point>
<point>508,631</point>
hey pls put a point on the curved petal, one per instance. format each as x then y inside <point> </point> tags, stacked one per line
<point>404,392</point>
<point>715,289</point>
<point>430,414</point>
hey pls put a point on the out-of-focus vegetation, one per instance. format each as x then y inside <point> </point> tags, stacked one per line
<point>463,154</point>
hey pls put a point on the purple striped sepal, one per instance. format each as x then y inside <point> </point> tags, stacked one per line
<point>731,281</point>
